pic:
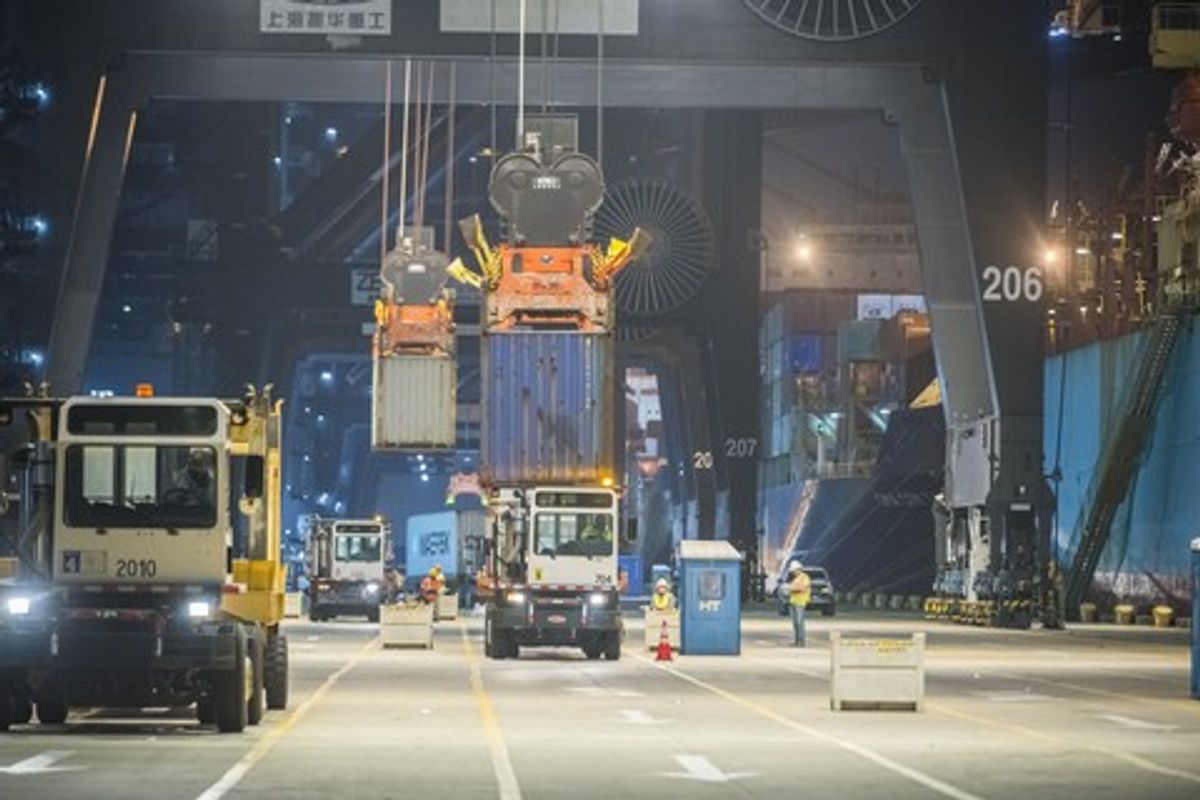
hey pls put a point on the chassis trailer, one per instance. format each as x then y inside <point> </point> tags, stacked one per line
<point>346,560</point>
<point>129,592</point>
<point>552,572</point>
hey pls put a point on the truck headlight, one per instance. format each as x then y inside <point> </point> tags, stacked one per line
<point>199,609</point>
<point>18,606</point>
<point>515,598</point>
<point>598,599</point>
<point>372,588</point>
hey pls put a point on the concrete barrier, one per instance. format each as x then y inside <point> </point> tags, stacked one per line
<point>896,602</point>
<point>1087,612</point>
<point>654,624</point>
<point>406,625</point>
<point>1123,615</point>
<point>881,601</point>
<point>293,605</point>
<point>447,607</point>
<point>914,602</point>
<point>877,673</point>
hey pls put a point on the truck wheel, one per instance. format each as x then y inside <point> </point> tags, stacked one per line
<point>229,695</point>
<point>489,649</point>
<point>51,710</point>
<point>612,646</point>
<point>593,651</point>
<point>205,714</point>
<point>828,611</point>
<point>275,672</point>
<point>254,706</point>
<point>5,711</point>
<point>373,614</point>
<point>20,710</point>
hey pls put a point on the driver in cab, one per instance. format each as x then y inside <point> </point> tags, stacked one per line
<point>192,484</point>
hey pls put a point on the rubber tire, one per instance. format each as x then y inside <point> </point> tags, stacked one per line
<point>593,651</point>
<point>828,611</point>
<point>20,710</point>
<point>205,713</point>
<point>275,672</point>
<point>229,690</point>
<point>52,711</point>
<point>373,615</point>
<point>5,721</point>
<point>612,646</point>
<point>254,705</point>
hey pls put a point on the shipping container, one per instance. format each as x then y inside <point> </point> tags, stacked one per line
<point>860,340</point>
<point>549,401</point>
<point>413,403</point>
<point>431,540</point>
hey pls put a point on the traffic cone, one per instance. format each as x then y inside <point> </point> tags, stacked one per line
<point>664,645</point>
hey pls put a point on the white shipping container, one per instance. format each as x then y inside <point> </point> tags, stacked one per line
<point>413,403</point>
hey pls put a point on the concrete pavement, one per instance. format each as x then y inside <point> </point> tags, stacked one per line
<point>1095,712</point>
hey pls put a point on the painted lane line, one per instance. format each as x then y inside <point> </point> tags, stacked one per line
<point>627,693</point>
<point>915,775</point>
<point>588,690</point>
<point>234,775</point>
<point>638,717</point>
<point>506,776</point>
<point>41,764</point>
<point>1137,724</point>
<point>1118,755</point>
<point>699,768</point>
<point>1015,696</point>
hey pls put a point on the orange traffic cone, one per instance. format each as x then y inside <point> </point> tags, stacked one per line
<point>664,645</point>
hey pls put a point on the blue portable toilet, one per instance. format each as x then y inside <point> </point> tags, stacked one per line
<point>710,598</point>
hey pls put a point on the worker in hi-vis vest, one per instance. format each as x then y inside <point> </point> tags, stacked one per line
<point>799,596</point>
<point>662,599</point>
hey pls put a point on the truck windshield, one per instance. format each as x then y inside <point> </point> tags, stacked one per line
<point>572,534</point>
<point>140,486</point>
<point>357,547</point>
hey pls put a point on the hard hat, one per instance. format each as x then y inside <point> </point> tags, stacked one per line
<point>661,583</point>
<point>795,565</point>
<point>433,570</point>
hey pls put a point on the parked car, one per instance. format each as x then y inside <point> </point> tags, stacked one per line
<point>822,593</point>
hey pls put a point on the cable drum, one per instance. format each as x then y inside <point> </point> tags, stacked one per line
<point>680,255</point>
<point>832,20</point>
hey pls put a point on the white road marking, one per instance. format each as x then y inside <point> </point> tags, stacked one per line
<point>627,693</point>
<point>41,764</point>
<point>233,776</point>
<point>591,691</point>
<point>1137,724</point>
<point>1014,696</point>
<point>312,639</point>
<point>915,775</point>
<point>638,717</point>
<point>699,768</point>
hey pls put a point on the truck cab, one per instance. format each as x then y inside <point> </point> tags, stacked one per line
<point>553,568</point>
<point>347,560</point>
<point>130,589</point>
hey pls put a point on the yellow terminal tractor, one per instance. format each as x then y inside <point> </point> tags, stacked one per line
<point>147,533</point>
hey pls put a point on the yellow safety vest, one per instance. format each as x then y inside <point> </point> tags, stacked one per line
<point>800,590</point>
<point>662,602</point>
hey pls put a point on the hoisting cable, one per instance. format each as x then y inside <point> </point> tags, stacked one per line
<point>404,150</point>
<point>448,221</point>
<point>387,157</point>
<point>600,83</point>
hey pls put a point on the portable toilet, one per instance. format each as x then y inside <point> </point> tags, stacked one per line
<point>710,598</point>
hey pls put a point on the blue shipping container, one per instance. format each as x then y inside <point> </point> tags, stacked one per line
<point>432,540</point>
<point>806,353</point>
<point>631,565</point>
<point>549,402</point>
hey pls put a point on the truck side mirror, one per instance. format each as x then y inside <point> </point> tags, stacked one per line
<point>252,486</point>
